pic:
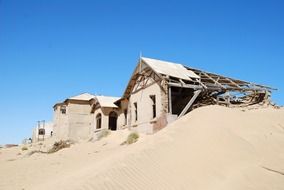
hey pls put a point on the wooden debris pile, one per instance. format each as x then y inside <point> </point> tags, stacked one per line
<point>221,90</point>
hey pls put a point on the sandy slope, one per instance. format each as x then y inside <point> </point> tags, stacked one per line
<point>210,148</point>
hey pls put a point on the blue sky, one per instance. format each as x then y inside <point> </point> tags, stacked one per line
<point>53,49</point>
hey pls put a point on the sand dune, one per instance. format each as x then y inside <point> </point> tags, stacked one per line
<point>210,148</point>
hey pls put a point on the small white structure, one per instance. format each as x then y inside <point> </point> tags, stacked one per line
<point>42,131</point>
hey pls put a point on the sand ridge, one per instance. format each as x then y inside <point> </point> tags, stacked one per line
<point>210,148</point>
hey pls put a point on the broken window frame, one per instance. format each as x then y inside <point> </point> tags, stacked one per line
<point>99,121</point>
<point>63,110</point>
<point>154,106</point>
<point>136,111</point>
<point>125,117</point>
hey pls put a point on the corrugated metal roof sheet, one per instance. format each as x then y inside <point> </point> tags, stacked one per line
<point>171,69</point>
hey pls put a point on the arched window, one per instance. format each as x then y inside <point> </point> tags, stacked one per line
<point>99,121</point>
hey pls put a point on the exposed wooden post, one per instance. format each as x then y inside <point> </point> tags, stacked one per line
<point>189,104</point>
<point>170,100</point>
<point>234,83</point>
<point>195,87</point>
<point>216,82</point>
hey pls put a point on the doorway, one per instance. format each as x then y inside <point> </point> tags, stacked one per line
<point>112,121</point>
<point>99,121</point>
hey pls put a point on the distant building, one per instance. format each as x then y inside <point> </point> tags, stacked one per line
<point>73,118</point>
<point>43,131</point>
<point>78,117</point>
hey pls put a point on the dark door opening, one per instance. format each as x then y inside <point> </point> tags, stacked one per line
<point>112,121</point>
<point>180,98</point>
<point>99,121</point>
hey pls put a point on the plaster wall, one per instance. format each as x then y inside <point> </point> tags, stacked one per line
<point>145,118</point>
<point>105,117</point>
<point>79,120</point>
<point>76,124</point>
<point>60,124</point>
<point>122,121</point>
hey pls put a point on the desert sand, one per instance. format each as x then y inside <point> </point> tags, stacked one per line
<point>210,148</point>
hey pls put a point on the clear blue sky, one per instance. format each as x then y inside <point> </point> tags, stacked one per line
<point>53,49</point>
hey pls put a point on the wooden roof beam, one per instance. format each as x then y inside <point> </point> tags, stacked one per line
<point>184,85</point>
<point>215,81</point>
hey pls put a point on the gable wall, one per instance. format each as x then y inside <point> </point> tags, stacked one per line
<point>145,119</point>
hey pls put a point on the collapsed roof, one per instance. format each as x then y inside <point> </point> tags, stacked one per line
<point>213,87</point>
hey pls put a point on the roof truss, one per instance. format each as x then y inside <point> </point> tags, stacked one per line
<point>214,81</point>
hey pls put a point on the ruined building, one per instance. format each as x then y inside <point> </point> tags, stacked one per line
<point>157,93</point>
<point>160,91</point>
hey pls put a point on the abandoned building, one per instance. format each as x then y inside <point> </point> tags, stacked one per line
<point>160,92</point>
<point>72,118</point>
<point>106,115</point>
<point>43,131</point>
<point>157,93</point>
<point>80,116</point>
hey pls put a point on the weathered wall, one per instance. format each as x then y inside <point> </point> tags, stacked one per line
<point>76,124</point>
<point>145,119</point>
<point>80,120</point>
<point>165,96</point>
<point>121,123</point>
<point>165,117</point>
<point>105,117</point>
<point>60,124</point>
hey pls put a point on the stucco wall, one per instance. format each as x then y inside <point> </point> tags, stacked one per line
<point>76,124</point>
<point>80,120</point>
<point>60,121</point>
<point>145,118</point>
<point>121,123</point>
<point>105,117</point>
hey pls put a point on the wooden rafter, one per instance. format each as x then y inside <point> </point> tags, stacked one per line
<point>234,83</point>
<point>144,81</point>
